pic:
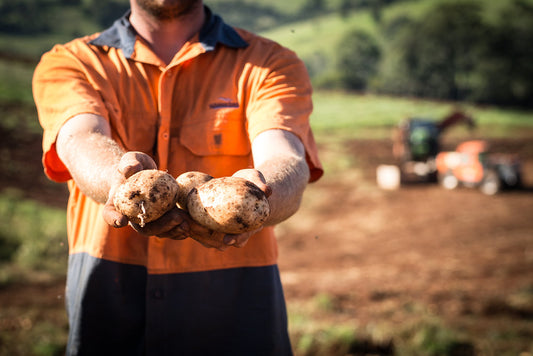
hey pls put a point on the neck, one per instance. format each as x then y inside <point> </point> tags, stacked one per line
<point>166,37</point>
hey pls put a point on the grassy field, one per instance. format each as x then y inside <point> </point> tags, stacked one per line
<point>352,114</point>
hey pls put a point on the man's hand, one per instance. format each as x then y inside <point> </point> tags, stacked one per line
<point>130,163</point>
<point>176,224</point>
<point>256,177</point>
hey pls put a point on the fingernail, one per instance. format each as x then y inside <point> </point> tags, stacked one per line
<point>119,222</point>
<point>230,241</point>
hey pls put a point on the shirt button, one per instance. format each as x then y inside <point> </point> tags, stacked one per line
<point>165,135</point>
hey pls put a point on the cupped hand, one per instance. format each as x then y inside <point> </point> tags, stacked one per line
<point>130,163</point>
<point>177,224</point>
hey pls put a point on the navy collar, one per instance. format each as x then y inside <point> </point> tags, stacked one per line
<point>122,35</point>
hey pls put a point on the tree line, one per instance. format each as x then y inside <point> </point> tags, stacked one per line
<point>452,52</point>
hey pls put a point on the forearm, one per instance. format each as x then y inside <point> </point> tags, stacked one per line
<point>91,156</point>
<point>280,156</point>
<point>288,177</point>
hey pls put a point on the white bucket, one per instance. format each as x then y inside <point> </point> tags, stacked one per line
<point>388,177</point>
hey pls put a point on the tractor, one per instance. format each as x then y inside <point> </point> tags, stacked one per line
<point>473,165</point>
<point>416,143</point>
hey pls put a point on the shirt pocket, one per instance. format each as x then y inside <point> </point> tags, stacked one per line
<point>217,132</point>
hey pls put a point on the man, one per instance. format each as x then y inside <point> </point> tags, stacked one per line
<point>171,86</point>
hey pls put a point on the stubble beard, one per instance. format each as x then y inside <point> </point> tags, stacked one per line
<point>170,9</point>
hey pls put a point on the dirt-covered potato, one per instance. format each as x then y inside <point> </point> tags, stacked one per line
<point>146,196</point>
<point>231,205</point>
<point>186,182</point>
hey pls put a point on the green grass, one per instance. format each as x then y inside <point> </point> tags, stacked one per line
<point>15,85</point>
<point>318,327</point>
<point>316,40</point>
<point>362,116</point>
<point>319,35</point>
<point>30,47</point>
<point>34,238</point>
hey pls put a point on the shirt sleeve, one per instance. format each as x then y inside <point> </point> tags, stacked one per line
<point>61,90</point>
<point>281,99</point>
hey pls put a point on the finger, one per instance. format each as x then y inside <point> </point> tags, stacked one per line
<point>230,240</point>
<point>165,224</point>
<point>177,233</point>
<point>133,162</point>
<point>205,244</point>
<point>236,240</point>
<point>265,188</point>
<point>212,239</point>
<point>256,177</point>
<point>112,216</point>
<point>239,240</point>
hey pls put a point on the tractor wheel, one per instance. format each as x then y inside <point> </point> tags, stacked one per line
<point>449,181</point>
<point>491,183</point>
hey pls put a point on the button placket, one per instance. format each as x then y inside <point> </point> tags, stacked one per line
<point>166,86</point>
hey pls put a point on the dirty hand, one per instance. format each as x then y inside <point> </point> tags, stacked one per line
<point>130,163</point>
<point>178,224</point>
<point>240,240</point>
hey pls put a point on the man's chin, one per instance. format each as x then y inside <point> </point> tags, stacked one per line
<point>165,10</point>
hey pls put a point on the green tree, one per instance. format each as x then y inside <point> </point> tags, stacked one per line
<point>313,7</point>
<point>452,53</point>
<point>359,55</point>
<point>24,16</point>
<point>443,49</point>
<point>505,75</point>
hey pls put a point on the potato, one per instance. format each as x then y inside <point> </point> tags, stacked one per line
<point>186,182</point>
<point>230,204</point>
<point>146,196</point>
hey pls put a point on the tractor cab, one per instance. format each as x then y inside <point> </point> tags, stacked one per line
<point>416,143</point>
<point>421,139</point>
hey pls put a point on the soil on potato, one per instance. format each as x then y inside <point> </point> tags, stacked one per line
<point>463,256</point>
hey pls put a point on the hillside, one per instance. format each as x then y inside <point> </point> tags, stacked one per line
<point>382,46</point>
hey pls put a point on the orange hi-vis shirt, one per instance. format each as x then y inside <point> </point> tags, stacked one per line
<point>199,113</point>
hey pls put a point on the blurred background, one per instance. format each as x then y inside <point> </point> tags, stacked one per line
<point>419,238</point>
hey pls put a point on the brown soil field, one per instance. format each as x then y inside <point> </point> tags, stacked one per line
<point>381,257</point>
<point>460,256</point>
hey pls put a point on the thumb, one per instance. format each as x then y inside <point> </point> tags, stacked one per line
<point>111,215</point>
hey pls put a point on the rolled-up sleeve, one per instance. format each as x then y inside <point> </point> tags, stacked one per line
<point>282,99</point>
<point>61,90</point>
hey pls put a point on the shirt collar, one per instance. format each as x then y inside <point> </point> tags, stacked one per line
<point>122,35</point>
